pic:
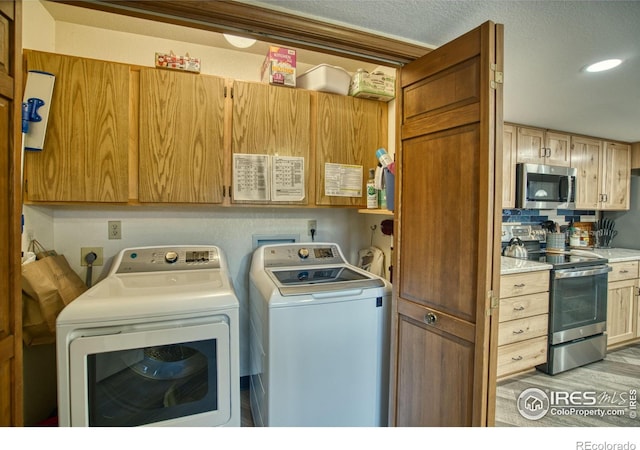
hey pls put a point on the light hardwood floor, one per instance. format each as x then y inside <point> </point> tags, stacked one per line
<point>612,379</point>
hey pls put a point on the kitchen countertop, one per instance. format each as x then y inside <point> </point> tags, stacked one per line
<point>515,265</point>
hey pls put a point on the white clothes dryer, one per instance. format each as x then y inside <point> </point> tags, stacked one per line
<point>319,338</point>
<point>153,344</point>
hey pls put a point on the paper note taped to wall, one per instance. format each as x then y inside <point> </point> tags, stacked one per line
<point>287,178</point>
<point>342,180</point>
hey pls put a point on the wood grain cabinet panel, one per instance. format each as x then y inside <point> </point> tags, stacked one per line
<point>604,172</point>
<point>181,143</point>
<point>348,131</point>
<point>85,155</point>
<point>524,321</point>
<point>623,308</point>
<point>509,166</point>
<point>275,121</point>
<point>537,146</point>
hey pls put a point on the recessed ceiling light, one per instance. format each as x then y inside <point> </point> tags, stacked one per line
<point>237,41</point>
<point>601,66</point>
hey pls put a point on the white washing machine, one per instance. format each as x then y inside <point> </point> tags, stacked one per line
<point>154,343</point>
<point>319,338</point>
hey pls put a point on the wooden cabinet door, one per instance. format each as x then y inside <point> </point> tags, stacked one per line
<point>509,166</point>
<point>348,131</point>
<point>181,137</point>
<point>86,149</point>
<point>11,391</point>
<point>275,121</point>
<point>621,311</point>
<point>558,149</point>
<point>616,176</point>
<point>586,159</point>
<point>444,340</point>
<point>530,144</point>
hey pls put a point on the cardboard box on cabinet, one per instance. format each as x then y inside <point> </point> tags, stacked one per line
<point>177,62</point>
<point>279,67</point>
<point>374,86</point>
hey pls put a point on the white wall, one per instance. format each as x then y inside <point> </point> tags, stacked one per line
<point>68,229</point>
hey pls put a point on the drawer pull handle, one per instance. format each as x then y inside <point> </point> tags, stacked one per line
<point>518,332</point>
<point>624,271</point>
<point>430,319</point>
<point>521,285</point>
<point>517,358</point>
<point>518,308</point>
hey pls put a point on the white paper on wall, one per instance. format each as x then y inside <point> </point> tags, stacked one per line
<point>287,176</point>
<point>250,177</point>
<point>342,180</point>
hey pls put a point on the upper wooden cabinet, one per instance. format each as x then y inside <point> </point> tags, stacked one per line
<point>604,170</point>
<point>181,137</point>
<point>509,166</point>
<point>85,155</point>
<point>348,131</point>
<point>538,146</point>
<point>275,121</point>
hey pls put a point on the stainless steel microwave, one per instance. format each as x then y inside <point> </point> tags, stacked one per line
<point>540,186</point>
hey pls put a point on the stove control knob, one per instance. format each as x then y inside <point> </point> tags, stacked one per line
<point>171,257</point>
<point>303,253</point>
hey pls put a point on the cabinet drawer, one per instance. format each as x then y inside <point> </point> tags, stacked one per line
<point>623,270</point>
<point>512,308</point>
<point>524,283</point>
<point>521,356</point>
<point>523,329</point>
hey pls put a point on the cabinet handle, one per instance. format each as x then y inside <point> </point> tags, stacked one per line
<point>547,152</point>
<point>518,332</point>
<point>521,285</point>
<point>518,308</point>
<point>624,271</point>
<point>430,319</point>
<point>517,358</point>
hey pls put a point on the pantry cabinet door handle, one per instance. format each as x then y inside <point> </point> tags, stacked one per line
<point>430,319</point>
<point>518,332</point>
<point>517,358</point>
<point>521,285</point>
<point>518,308</point>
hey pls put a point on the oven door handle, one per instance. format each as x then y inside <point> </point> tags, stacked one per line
<point>572,273</point>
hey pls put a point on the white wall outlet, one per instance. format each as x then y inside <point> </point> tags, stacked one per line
<point>115,229</point>
<point>312,225</point>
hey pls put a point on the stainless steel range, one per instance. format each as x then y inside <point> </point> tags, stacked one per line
<point>577,302</point>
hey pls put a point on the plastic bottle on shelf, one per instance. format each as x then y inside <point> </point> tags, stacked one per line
<point>372,192</point>
<point>386,160</point>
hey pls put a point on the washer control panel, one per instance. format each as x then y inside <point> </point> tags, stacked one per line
<point>302,254</point>
<point>155,259</point>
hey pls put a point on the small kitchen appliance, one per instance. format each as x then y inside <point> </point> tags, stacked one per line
<point>153,344</point>
<point>540,186</point>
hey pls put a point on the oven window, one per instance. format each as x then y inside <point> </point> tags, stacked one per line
<point>578,301</point>
<point>140,386</point>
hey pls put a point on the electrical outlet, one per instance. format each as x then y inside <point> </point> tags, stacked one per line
<point>115,229</point>
<point>84,251</point>
<point>312,225</point>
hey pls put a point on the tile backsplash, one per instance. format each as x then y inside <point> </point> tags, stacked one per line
<point>537,216</point>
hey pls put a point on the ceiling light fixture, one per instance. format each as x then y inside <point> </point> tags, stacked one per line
<point>237,41</point>
<point>601,66</point>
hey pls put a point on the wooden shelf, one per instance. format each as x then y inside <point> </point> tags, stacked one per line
<point>383,212</point>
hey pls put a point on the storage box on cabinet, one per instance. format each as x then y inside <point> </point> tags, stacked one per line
<point>524,321</point>
<point>623,309</point>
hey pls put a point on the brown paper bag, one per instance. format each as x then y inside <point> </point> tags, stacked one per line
<point>48,285</point>
<point>41,252</point>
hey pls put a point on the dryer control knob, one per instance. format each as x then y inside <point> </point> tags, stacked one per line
<point>171,257</point>
<point>303,253</point>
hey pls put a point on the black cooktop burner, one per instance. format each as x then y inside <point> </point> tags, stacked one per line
<point>565,261</point>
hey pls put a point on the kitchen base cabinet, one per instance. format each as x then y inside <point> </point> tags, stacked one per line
<point>524,322</point>
<point>622,303</point>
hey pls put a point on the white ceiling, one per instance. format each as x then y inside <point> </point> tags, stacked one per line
<point>547,44</point>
